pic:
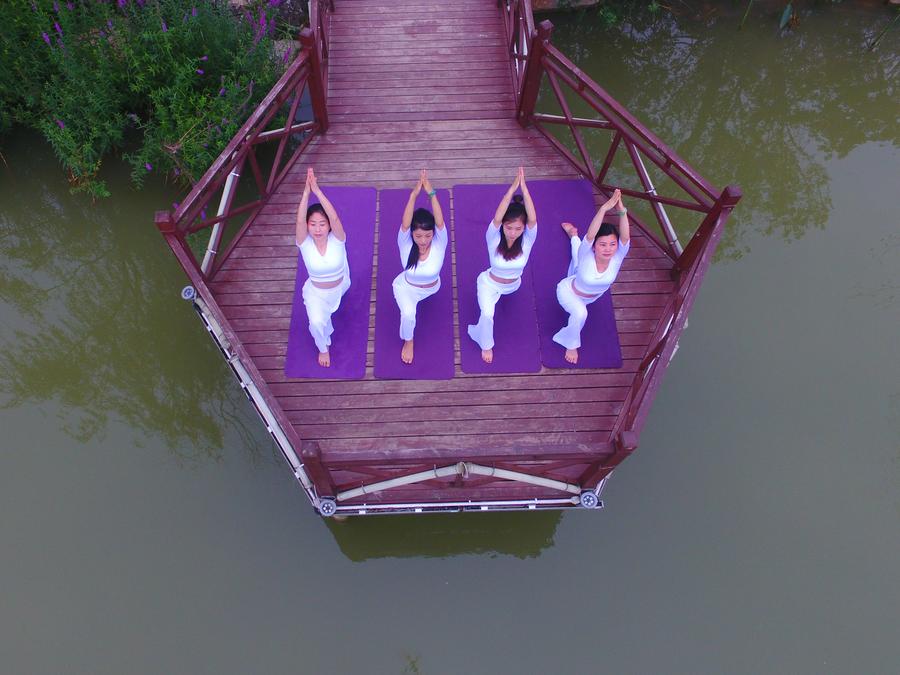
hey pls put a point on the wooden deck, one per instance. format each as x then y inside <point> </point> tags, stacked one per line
<point>425,83</point>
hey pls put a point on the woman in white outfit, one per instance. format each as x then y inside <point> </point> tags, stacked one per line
<point>321,239</point>
<point>596,260</point>
<point>510,236</point>
<point>422,240</point>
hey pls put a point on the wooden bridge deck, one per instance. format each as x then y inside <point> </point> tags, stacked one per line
<point>437,93</point>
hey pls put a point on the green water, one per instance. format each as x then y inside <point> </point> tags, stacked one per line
<point>147,524</point>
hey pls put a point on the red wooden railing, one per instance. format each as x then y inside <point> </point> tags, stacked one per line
<point>519,22</point>
<point>544,63</point>
<point>195,213</point>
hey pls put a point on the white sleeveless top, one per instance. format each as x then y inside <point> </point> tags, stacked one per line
<point>508,269</point>
<point>325,268</point>
<point>429,270</point>
<point>587,279</point>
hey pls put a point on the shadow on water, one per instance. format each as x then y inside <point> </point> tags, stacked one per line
<point>758,107</point>
<point>88,295</point>
<point>523,535</point>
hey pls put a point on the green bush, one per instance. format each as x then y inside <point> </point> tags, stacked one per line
<point>165,83</point>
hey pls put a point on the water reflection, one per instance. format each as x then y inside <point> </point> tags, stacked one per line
<point>87,298</point>
<point>756,107</point>
<point>523,535</point>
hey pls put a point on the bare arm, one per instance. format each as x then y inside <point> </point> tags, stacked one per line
<point>598,219</point>
<point>435,204</point>
<point>507,198</point>
<point>410,206</point>
<point>624,226</point>
<point>337,227</point>
<point>301,210</point>
<point>526,196</point>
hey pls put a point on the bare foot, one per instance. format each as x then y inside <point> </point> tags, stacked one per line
<point>570,229</point>
<point>572,355</point>
<point>487,355</point>
<point>324,359</point>
<point>406,354</point>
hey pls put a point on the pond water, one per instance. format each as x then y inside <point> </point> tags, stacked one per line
<point>148,525</point>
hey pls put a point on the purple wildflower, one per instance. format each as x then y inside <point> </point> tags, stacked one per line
<point>165,27</point>
<point>193,11</point>
<point>33,6</point>
<point>222,91</point>
<point>122,4</point>
<point>203,214</point>
<point>46,39</point>
<point>70,6</point>
<point>148,166</point>
<point>109,24</point>
<point>287,56</point>
<point>199,71</point>
<point>56,26</point>
<point>102,34</point>
<point>55,6</point>
<point>262,19</point>
<point>62,125</point>
<point>177,173</point>
<point>274,3</point>
<point>175,205</point>
<point>204,58</point>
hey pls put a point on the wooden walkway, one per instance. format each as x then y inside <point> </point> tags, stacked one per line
<point>426,83</point>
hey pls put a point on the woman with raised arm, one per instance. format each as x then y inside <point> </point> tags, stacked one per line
<point>510,236</point>
<point>422,240</point>
<point>321,239</point>
<point>596,260</point>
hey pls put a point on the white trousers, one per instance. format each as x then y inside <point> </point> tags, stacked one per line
<point>321,303</point>
<point>408,297</point>
<point>570,335</point>
<point>489,292</point>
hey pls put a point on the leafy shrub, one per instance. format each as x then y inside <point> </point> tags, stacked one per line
<point>166,83</point>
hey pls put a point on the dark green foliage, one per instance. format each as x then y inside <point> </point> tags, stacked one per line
<point>170,81</point>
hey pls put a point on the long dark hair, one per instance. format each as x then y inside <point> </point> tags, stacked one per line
<point>515,211</point>
<point>605,230</point>
<point>422,219</point>
<point>317,208</point>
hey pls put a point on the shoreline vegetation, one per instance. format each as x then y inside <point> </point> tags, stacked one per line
<point>165,84</point>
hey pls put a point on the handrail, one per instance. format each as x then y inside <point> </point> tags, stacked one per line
<point>518,22</point>
<point>530,66</point>
<point>308,71</point>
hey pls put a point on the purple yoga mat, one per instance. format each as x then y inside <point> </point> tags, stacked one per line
<point>433,358</point>
<point>356,208</point>
<point>557,201</point>
<point>516,343</point>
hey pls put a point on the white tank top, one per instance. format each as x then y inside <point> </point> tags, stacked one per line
<point>508,269</point>
<point>429,270</point>
<point>587,279</point>
<point>325,268</point>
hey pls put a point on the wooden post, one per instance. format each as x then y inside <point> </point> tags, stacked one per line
<point>311,456</point>
<point>729,198</point>
<point>533,72</point>
<point>626,443</point>
<point>316,80</point>
<point>165,222</point>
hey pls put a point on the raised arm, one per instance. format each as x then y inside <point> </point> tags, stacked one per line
<point>526,196</point>
<point>337,227</point>
<point>601,213</point>
<point>624,226</point>
<point>507,198</point>
<point>301,210</point>
<point>411,206</point>
<point>435,204</point>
